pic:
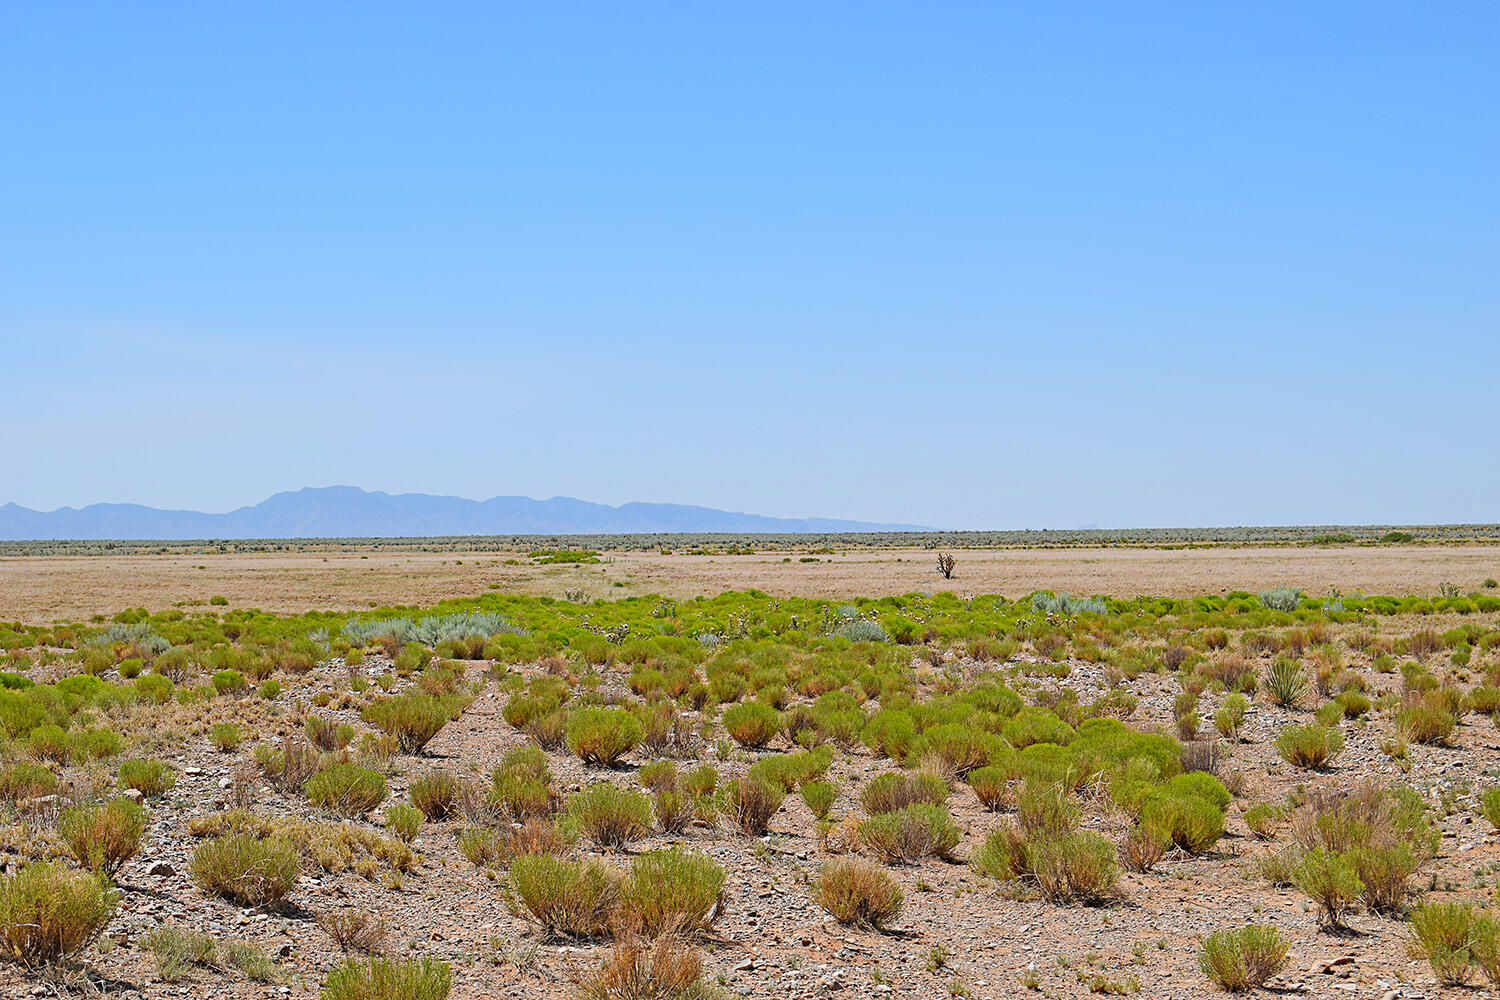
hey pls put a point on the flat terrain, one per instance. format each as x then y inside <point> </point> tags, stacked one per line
<point>43,588</point>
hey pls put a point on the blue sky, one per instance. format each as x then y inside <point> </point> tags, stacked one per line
<point>967,265</point>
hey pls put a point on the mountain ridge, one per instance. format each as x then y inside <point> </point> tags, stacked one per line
<point>351,512</point>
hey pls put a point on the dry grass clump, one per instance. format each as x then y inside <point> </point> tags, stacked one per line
<point>390,979</point>
<point>752,724</point>
<point>1454,938</point>
<point>48,913</point>
<point>288,767</point>
<point>667,968</point>
<point>103,836</point>
<point>750,803</point>
<point>177,951</point>
<point>1243,958</point>
<point>246,869</point>
<point>855,891</point>
<point>353,929</point>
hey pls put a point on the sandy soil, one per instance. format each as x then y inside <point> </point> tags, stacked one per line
<point>42,588</point>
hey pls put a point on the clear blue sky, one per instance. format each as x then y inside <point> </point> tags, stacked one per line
<point>967,265</point>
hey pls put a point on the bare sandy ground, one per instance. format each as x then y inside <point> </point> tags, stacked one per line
<point>42,588</point>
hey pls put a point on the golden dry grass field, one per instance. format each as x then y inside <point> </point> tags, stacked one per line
<point>43,588</point>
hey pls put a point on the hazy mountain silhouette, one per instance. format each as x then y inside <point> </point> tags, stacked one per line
<point>350,512</point>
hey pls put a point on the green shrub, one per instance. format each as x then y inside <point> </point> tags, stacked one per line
<point>414,719</point>
<point>671,891</point>
<point>25,780</point>
<point>1445,935</point>
<point>433,793</point>
<point>910,834</point>
<point>1070,866</point>
<point>404,821</point>
<point>103,836</point>
<point>346,789</point>
<point>1189,822</point>
<point>602,736</point>
<point>894,790</point>
<point>1331,880</point>
<point>1427,723</point>
<point>378,978</point>
<point>857,892</point>
<point>1311,746</point>
<point>245,869</point>
<point>1243,958</point>
<point>819,796</point>
<point>48,913</point>
<point>225,736</point>
<point>575,898</point>
<point>149,776</point>
<point>229,682</point>
<point>609,815</point>
<point>50,743</point>
<point>751,724</point>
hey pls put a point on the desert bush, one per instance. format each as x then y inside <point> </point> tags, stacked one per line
<point>1385,874</point>
<point>433,793</point>
<point>352,929</point>
<point>894,790</point>
<point>1281,598</point>
<point>48,913</point>
<point>1285,682</point>
<point>819,796</point>
<point>288,767</point>
<point>603,735</point>
<point>25,780</point>
<point>574,898</point>
<point>149,776</point>
<point>225,736</point>
<point>243,868</point>
<point>390,979</point>
<point>404,821</point>
<point>1427,723</point>
<point>667,968</point>
<point>609,815</point>
<point>1189,822</point>
<point>176,951</point>
<point>1243,958</point>
<point>751,724</point>
<point>991,786</point>
<point>1332,881</point>
<point>1311,746</point>
<point>670,891</point>
<point>910,834</point>
<point>858,892</point>
<point>413,719</point>
<point>1445,935</point>
<point>1263,819</point>
<point>346,789</point>
<point>1142,849</point>
<point>751,802</point>
<point>229,682</point>
<point>103,836</point>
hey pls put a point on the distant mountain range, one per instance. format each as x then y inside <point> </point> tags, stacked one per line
<point>350,512</point>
